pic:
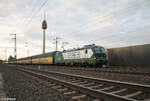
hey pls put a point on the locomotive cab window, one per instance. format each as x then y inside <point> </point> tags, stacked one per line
<point>86,51</point>
<point>99,50</point>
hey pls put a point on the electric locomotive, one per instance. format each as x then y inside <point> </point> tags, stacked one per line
<point>88,55</point>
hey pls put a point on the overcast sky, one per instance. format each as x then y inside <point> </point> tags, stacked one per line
<point>113,23</point>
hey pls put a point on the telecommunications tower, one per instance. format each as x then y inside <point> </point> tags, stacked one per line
<point>44,27</point>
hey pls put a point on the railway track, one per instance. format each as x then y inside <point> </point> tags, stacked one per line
<point>105,70</point>
<point>97,89</point>
<point>112,71</point>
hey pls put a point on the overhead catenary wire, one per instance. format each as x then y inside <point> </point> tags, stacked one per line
<point>30,11</point>
<point>141,4</point>
<point>34,14</point>
<point>105,17</point>
<point>136,6</point>
<point>97,19</point>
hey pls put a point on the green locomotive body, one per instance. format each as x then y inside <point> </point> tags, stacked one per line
<point>88,55</point>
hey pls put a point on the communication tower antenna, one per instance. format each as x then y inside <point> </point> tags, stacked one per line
<point>44,16</point>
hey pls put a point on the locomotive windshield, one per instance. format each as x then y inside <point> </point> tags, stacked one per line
<point>98,50</point>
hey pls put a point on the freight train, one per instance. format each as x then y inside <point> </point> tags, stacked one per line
<point>89,55</point>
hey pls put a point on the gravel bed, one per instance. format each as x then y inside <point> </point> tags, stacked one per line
<point>26,88</point>
<point>141,79</point>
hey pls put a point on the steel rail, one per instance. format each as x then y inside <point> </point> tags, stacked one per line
<point>95,93</point>
<point>107,71</point>
<point>135,86</point>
